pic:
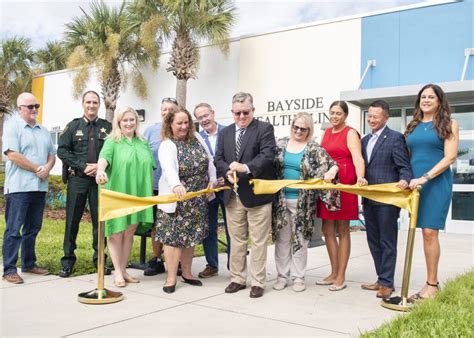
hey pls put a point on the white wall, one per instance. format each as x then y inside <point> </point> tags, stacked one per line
<point>310,62</point>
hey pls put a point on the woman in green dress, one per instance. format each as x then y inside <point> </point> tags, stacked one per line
<point>126,165</point>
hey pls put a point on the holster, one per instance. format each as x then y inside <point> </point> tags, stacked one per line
<point>65,173</point>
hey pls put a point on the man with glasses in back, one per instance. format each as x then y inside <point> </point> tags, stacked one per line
<point>210,133</point>
<point>79,147</point>
<point>152,134</point>
<point>30,157</point>
<point>246,149</point>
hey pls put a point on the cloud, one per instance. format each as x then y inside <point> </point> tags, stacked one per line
<point>43,21</point>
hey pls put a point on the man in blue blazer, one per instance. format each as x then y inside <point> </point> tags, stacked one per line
<point>386,160</point>
<point>210,133</point>
<point>247,149</point>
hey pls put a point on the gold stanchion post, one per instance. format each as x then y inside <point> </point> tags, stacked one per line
<point>100,295</point>
<point>400,303</point>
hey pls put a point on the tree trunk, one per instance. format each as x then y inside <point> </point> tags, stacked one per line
<point>181,91</point>
<point>110,91</point>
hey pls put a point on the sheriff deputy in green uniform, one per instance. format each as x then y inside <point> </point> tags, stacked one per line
<point>79,147</point>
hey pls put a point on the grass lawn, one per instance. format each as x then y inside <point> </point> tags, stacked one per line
<point>49,246</point>
<point>450,314</point>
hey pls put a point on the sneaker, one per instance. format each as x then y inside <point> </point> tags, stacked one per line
<point>209,271</point>
<point>13,278</point>
<point>154,267</point>
<point>279,285</point>
<point>299,286</point>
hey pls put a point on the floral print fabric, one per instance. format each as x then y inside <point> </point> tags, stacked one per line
<point>188,226</point>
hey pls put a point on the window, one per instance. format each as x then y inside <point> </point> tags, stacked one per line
<point>462,206</point>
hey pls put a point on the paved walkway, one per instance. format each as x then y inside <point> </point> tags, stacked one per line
<point>47,305</point>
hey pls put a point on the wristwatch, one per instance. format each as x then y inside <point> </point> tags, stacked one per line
<point>426,176</point>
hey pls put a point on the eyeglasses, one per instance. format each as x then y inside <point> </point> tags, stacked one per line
<point>170,99</point>
<point>238,113</point>
<point>30,106</point>
<point>296,128</point>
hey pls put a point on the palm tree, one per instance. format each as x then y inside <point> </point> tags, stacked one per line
<point>51,58</point>
<point>16,57</point>
<point>186,23</point>
<point>108,40</point>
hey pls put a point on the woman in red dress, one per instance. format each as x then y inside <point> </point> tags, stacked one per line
<point>343,144</point>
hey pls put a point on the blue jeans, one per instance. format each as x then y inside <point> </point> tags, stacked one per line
<point>210,242</point>
<point>22,209</point>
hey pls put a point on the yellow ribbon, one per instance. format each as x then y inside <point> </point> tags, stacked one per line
<point>387,193</point>
<point>115,204</point>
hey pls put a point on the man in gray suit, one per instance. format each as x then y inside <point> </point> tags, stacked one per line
<point>246,149</point>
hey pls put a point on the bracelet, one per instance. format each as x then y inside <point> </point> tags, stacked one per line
<point>426,176</point>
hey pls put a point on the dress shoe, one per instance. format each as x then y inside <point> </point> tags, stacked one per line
<point>209,271</point>
<point>195,282</point>
<point>13,278</point>
<point>256,292</point>
<point>169,288</point>
<point>65,272</point>
<point>154,267</point>
<point>384,292</point>
<point>37,271</point>
<point>131,279</point>
<point>371,287</point>
<point>234,287</point>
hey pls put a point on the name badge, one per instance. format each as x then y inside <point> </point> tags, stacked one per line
<point>79,133</point>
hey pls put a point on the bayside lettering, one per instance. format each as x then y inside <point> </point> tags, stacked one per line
<point>295,104</point>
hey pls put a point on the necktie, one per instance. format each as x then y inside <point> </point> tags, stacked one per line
<point>91,149</point>
<point>239,142</point>
<point>371,145</point>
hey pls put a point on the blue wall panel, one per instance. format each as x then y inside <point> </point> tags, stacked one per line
<point>418,46</point>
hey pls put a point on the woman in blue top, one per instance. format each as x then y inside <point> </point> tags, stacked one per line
<point>432,137</point>
<point>299,157</point>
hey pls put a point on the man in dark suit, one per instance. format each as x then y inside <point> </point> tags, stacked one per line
<point>386,160</point>
<point>246,149</point>
<point>210,133</point>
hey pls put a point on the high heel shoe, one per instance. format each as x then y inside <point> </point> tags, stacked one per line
<point>169,288</point>
<point>195,282</point>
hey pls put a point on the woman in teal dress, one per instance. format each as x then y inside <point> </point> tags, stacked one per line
<point>126,165</point>
<point>432,137</point>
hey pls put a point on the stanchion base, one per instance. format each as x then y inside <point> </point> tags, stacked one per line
<point>97,296</point>
<point>396,304</point>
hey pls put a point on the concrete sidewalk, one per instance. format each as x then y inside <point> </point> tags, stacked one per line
<point>48,306</point>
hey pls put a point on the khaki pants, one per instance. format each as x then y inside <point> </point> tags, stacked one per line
<point>243,222</point>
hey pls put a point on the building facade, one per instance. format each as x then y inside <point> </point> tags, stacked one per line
<point>387,54</point>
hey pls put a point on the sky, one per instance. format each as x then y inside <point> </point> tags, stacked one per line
<point>43,21</point>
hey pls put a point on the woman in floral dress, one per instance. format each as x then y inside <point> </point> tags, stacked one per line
<point>186,166</point>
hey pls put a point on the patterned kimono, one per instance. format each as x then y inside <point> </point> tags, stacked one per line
<point>315,163</point>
